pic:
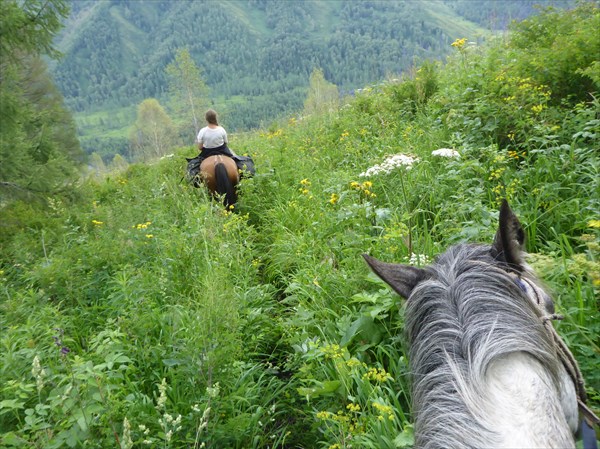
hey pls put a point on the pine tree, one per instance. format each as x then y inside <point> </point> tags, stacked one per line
<point>39,151</point>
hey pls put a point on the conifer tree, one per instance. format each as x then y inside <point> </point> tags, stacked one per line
<point>39,150</point>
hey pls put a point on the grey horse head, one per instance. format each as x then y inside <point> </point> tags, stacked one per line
<point>485,369</point>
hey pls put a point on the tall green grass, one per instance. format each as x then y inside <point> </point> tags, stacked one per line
<point>138,313</point>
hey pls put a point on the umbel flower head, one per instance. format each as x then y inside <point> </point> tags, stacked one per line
<point>446,152</point>
<point>391,163</point>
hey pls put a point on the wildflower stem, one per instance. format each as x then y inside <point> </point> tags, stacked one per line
<point>112,424</point>
<point>78,393</point>
<point>409,214</point>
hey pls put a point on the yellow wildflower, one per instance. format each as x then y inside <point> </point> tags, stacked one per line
<point>353,362</point>
<point>332,351</point>
<point>323,415</point>
<point>496,174</point>
<point>384,410</point>
<point>377,374</point>
<point>334,198</point>
<point>353,407</point>
<point>593,224</point>
<point>537,108</point>
<point>459,43</point>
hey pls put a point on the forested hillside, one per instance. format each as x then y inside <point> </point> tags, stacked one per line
<point>136,312</point>
<point>256,55</point>
<point>116,51</point>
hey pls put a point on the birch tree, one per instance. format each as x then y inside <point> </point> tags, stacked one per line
<point>322,95</point>
<point>153,133</point>
<point>187,89</point>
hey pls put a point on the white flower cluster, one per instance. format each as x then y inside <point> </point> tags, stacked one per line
<point>391,163</point>
<point>418,259</point>
<point>213,391</point>
<point>162,398</point>
<point>126,441</point>
<point>38,373</point>
<point>446,152</point>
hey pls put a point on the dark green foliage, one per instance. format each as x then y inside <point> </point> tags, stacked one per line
<point>561,50</point>
<point>29,27</point>
<point>39,152</point>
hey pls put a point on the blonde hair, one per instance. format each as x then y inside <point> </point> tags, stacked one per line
<point>211,117</point>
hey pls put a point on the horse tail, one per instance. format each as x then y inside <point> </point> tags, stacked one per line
<point>224,185</point>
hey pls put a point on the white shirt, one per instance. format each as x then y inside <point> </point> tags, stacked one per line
<point>212,137</point>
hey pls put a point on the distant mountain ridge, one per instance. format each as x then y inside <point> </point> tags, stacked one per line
<point>257,54</point>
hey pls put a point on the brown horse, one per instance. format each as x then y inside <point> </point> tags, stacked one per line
<point>220,174</point>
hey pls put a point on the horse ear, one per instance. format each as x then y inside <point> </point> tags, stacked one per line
<point>509,242</point>
<point>402,278</point>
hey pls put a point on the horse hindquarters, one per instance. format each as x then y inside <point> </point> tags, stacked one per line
<point>224,185</point>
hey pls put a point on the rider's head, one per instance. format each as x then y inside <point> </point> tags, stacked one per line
<point>211,117</point>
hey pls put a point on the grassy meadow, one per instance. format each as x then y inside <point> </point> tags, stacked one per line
<point>135,312</point>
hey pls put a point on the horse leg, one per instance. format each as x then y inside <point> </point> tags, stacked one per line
<point>224,185</point>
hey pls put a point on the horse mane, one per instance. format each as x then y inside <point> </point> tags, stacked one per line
<point>468,313</point>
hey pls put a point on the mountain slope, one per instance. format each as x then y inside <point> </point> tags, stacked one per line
<point>256,55</point>
<point>115,52</point>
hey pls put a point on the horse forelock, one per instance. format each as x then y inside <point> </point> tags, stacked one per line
<point>467,314</point>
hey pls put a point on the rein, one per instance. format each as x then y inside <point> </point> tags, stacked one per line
<point>563,352</point>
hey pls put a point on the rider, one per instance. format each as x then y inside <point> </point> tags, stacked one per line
<point>212,139</point>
